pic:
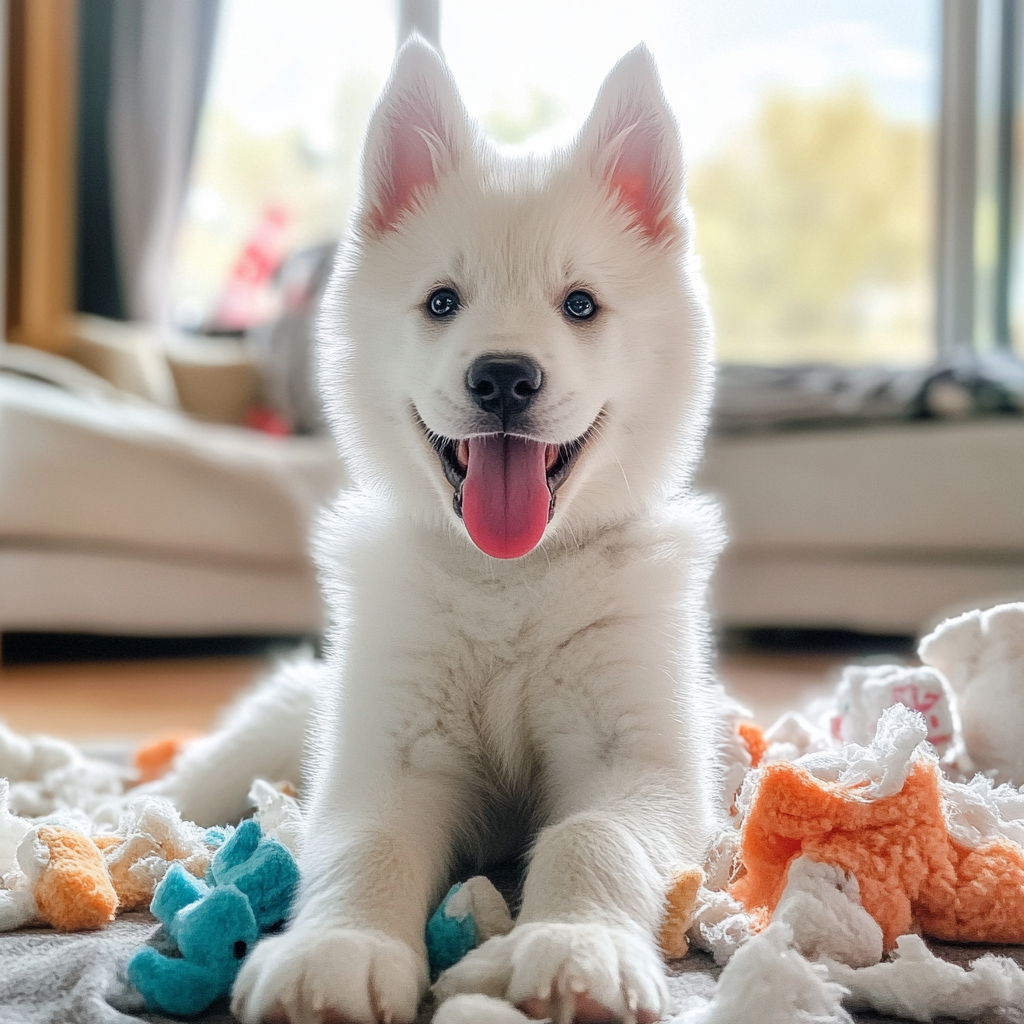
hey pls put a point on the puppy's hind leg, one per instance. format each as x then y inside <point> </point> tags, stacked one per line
<point>262,735</point>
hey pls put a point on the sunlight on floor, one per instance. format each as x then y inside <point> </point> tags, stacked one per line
<point>126,701</point>
<point>137,700</point>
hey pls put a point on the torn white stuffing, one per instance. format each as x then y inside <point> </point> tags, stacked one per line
<point>733,755</point>
<point>881,768</point>
<point>821,904</point>
<point>977,811</point>
<point>791,737</point>
<point>17,905</point>
<point>279,814</point>
<point>917,985</point>
<point>720,925</point>
<point>720,864</point>
<point>48,775</point>
<point>12,831</point>
<point>769,982</point>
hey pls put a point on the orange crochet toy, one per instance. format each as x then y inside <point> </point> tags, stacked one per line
<point>73,890</point>
<point>913,875</point>
<point>680,902</point>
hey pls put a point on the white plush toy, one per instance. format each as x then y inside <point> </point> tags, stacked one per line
<point>982,656</point>
<point>865,691</point>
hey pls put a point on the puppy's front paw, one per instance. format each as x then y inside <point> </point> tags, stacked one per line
<point>306,976</point>
<point>580,972</point>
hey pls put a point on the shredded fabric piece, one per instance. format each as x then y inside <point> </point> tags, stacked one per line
<point>152,836</point>
<point>865,691</point>
<point>981,654</point>
<point>720,925</point>
<point>917,985</point>
<point>768,981</point>
<point>821,904</point>
<point>881,768</point>
<point>48,775</point>
<point>279,814</point>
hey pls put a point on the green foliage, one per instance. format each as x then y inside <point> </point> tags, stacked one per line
<point>814,230</point>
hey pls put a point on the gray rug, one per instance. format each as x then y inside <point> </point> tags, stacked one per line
<point>50,978</point>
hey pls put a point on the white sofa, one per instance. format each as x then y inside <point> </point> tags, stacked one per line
<point>881,528</point>
<point>118,516</point>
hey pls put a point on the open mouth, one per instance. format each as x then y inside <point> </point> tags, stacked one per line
<point>504,485</point>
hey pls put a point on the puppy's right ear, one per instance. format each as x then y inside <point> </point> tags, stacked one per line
<point>631,144</point>
<point>418,133</point>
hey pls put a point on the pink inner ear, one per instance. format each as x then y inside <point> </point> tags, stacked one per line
<point>407,166</point>
<point>637,179</point>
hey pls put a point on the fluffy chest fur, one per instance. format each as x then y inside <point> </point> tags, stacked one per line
<point>501,673</point>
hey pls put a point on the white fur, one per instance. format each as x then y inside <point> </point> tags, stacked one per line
<point>471,707</point>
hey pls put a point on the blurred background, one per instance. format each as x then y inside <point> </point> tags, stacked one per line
<point>176,177</point>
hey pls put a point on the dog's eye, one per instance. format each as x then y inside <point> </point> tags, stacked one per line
<point>579,305</point>
<point>444,302</point>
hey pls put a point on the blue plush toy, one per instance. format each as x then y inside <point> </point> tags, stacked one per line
<point>470,914</point>
<point>249,888</point>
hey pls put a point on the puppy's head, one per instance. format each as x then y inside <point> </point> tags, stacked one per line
<point>518,348</point>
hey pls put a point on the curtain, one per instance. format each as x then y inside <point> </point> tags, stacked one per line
<point>161,52</point>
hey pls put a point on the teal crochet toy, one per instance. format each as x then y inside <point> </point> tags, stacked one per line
<point>214,923</point>
<point>470,914</point>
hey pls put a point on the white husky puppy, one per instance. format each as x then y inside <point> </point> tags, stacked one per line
<point>516,356</point>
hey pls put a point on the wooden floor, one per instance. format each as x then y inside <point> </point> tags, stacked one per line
<point>133,700</point>
<point>139,700</point>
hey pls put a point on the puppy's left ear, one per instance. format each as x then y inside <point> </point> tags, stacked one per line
<point>631,144</point>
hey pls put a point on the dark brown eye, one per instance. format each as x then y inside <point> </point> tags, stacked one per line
<point>579,306</point>
<point>444,302</point>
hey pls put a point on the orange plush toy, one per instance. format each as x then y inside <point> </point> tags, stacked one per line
<point>154,759</point>
<point>71,886</point>
<point>913,875</point>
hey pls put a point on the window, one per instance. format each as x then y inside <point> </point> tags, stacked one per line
<point>811,128</point>
<point>277,156</point>
<point>808,128</point>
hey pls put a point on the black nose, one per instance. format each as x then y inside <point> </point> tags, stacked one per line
<point>504,385</point>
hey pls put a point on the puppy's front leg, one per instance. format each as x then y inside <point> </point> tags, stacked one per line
<point>583,947</point>
<point>355,949</point>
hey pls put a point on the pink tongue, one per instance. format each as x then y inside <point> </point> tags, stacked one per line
<point>505,497</point>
